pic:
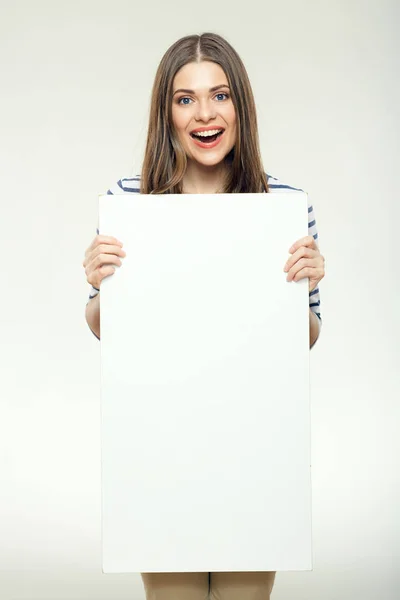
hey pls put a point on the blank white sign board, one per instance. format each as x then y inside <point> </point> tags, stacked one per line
<point>205,385</point>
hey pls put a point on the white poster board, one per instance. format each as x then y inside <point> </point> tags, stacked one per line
<point>205,385</point>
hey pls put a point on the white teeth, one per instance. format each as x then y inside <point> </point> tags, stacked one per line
<point>207,133</point>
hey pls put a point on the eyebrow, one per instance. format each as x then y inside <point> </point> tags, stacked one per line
<point>213,89</point>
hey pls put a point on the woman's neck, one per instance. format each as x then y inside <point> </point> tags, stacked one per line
<point>200,179</point>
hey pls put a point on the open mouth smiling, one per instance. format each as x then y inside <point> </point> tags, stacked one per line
<point>207,135</point>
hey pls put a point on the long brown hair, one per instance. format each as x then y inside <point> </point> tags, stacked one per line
<point>165,161</point>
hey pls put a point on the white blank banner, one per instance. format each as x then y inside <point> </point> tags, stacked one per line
<point>205,385</point>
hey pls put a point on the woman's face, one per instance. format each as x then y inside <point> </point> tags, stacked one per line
<point>202,102</point>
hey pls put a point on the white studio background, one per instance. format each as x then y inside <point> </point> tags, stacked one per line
<point>75,91</point>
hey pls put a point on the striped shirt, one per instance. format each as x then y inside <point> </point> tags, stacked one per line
<point>132,186</point>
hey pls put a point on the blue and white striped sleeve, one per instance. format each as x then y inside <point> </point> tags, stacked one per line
<point>314,299</point>
<point>127,185</point>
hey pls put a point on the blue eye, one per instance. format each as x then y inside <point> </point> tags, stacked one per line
<point>185,100</point>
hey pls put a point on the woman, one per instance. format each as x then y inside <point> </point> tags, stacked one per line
<point>203,139</point>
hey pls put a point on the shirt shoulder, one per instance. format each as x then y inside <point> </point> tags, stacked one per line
<point>126,185</point>
<point>275,185</point>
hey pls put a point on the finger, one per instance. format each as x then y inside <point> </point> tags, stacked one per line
<point>308,241</point>
<point>102,259</point>
<point>302,251</point>
<point>306,271</point>
<point>104,239</point>
<point>102,249</point>
<point>109,249</point>
<point>308,263</point>
<point>314,274</point>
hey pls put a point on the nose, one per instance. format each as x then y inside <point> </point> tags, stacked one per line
<point>205,110</point>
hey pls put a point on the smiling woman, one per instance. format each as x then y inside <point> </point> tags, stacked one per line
<point>203,138</point>
<point>202,135</point>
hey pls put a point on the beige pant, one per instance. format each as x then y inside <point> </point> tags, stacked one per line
<point>209,586</point>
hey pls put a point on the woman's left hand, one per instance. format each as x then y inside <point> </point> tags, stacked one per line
<point>306,261</point>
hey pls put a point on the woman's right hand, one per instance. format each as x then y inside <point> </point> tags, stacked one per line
<point>103,252</point>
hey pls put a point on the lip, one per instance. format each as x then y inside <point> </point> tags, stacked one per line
<point>208,146</point>
<point>209,128</point>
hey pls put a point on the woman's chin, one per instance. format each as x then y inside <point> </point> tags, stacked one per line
<point>211,160</point>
